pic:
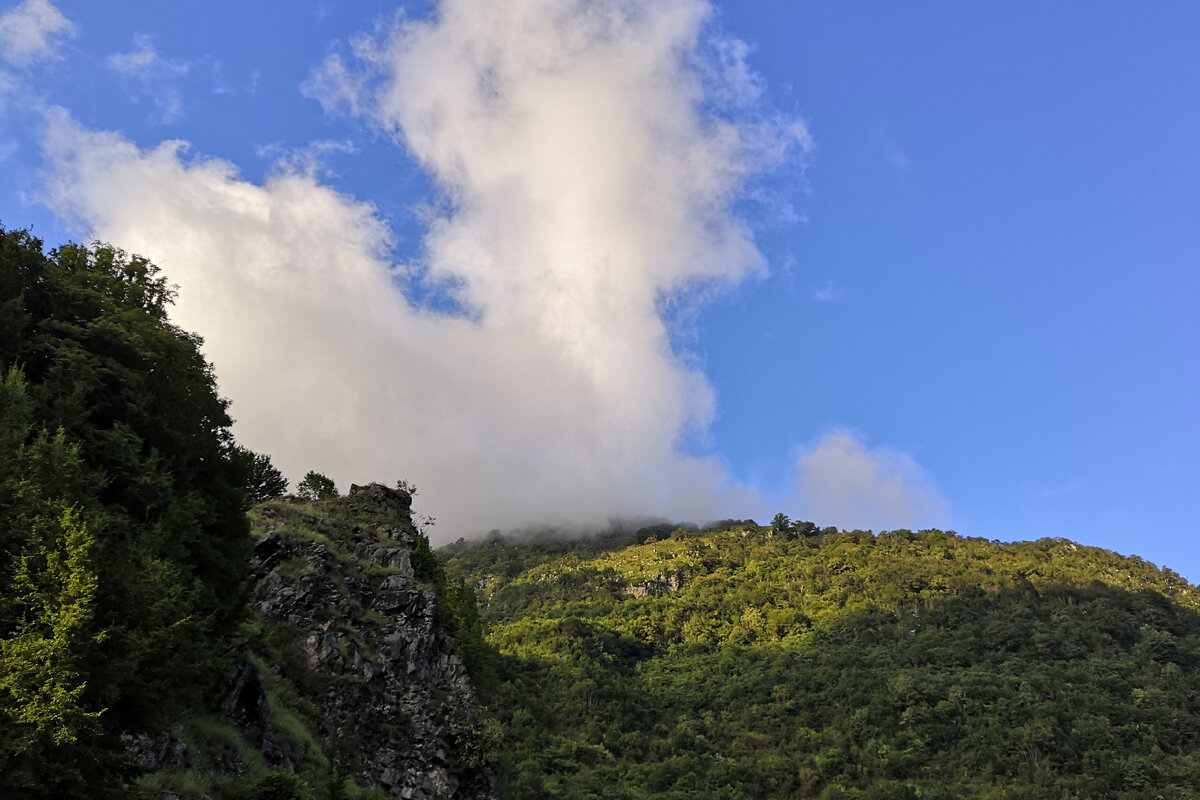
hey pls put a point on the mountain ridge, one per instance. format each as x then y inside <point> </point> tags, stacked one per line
<point>754,662</point>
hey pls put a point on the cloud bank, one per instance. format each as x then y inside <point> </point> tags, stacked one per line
<point>587,158</point>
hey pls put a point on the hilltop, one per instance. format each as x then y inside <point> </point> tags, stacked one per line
<point>754,662</point>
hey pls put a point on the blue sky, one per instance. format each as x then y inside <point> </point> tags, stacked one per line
<point>866,263</point>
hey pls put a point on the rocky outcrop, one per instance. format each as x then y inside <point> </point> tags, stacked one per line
<point>660,584</point>
<point>352,634</point>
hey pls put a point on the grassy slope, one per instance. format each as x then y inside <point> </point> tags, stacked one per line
<point>837,665</point>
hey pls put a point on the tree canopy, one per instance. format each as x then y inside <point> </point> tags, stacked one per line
<point>263,480</point>
<point>316,486</point>
<point>122,532</point>
<point>737,663</point>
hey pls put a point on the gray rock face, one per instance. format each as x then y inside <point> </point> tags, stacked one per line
<point>663,583</point>
<point>356,634</point>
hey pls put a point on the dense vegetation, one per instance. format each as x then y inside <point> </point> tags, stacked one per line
<point>750,662</point>
<point>123,534</point>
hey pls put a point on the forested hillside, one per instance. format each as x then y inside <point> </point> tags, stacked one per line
<point>749,662</point>
<point>123,536</point>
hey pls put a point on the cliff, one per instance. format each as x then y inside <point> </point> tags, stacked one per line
<point>349,684</point>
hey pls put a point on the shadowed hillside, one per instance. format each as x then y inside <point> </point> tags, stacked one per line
<point>739,664</point>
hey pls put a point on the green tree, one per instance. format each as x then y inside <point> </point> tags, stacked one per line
<point>316,486</point>
<point>47,589</point>
<point>263,481</point>
<point>122,529</point>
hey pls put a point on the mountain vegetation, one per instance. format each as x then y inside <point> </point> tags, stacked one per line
<point>790,661</point>
<point>123,535</point>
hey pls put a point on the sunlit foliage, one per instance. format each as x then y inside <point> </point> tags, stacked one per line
<point>739,663</point>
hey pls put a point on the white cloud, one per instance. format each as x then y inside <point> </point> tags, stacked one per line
<point>152,77</point>
<point>829,293</point>
<point>337,88</point>
<point>842,482</point>
<point>310,159</point>
<point>582,184</point>
<point>31,31</point>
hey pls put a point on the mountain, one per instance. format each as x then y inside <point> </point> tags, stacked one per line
<point>788,661</point>
<point>161,637</point>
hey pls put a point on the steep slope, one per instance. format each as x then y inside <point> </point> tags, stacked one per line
<point>123,534</point>
<point>351,684</point>
<point>737,664</point>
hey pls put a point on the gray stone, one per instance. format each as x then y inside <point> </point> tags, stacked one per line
<point>398,694</point>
